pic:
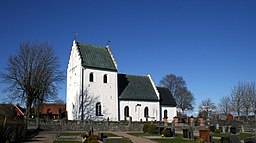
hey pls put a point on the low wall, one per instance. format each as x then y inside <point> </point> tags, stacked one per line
<point>88,125</point>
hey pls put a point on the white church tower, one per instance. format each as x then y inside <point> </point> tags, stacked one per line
<point>92,91</point>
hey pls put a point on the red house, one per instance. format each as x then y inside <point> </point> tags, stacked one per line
<point>8,109</point>
<point>52,111</point>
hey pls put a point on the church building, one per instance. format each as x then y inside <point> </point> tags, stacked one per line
<point>96,91</point>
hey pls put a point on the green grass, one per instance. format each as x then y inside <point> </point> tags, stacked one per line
<point>242,135</point>
<point>245,135</point>
<point>56,141</point>
<point>71,133</point>
<point>178,138</point>
<point>109,135</point>
<point>142,134</point>
<point>118,140</point>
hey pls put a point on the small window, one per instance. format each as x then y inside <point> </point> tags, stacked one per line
<point>98,109</point>
<point>165,113</point>
<point>126,111</point>
<point>146,112</point>
<point>105,79</point>
<point>91,77</point>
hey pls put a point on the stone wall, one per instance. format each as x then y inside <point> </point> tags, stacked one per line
<point>88,125</point>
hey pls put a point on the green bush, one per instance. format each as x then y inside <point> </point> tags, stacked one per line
<point>145,128</point>
<point>93,138</point>
<point>152,129</point>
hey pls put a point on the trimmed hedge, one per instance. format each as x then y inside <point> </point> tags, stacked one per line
<point>145,128</point>
<point>152,129</point>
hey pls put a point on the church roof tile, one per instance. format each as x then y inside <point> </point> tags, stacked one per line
<point>166,98</point>
<point>96,57</point>
<point>131,87</point>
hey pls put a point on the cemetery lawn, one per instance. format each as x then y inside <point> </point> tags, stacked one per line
<point>242,135</point>
<point>56,141</point>
<point>71,133</point>
<point>79,134</point>
<point>178,138</point>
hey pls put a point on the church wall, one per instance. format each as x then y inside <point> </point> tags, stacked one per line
<point>105,93</point>
<point>171,112</point>
<point>73,82</point>
<point>136,110</point>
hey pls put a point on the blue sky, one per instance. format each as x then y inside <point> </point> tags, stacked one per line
<point>211,44</point>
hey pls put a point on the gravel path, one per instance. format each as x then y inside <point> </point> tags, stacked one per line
<point>134,139</point>
<point>42,137</point>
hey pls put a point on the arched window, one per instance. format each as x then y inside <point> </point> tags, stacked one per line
<point>126,111</point>
<point>165,113</point>
<point>98,109</point>
<point>105,78</point>
<point>146,112</point>
<point>91,77</point>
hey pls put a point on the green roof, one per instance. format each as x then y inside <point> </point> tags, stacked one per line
<point>96,57</point>
<point>131,87</point>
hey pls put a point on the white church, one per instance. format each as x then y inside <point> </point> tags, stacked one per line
<point>96,89</point>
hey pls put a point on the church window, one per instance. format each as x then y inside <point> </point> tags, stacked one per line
<point>126,111</point>
<point>98,109</point>
<point>105,78</point>
<point>146,112</point>
<point>91,77</point>
<point>165,113</point>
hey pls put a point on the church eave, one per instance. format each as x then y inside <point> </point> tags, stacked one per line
<point>98,68</point>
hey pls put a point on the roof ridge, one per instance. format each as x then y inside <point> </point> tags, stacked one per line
<point>134,75</point>
<point>91,45</point>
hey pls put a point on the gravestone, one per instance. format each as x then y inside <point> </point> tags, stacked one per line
<point>165,120</point>
<point>250,140</point>
<point>221,129</point>
<point>217,126</point>
<point>191,121</point>
<point>185,133</point>
<point>175,121</point>
<point>233,130</point>
<point>188,133</point>
<point>205,135</point>
<point>201,121</point>
<point>225,140</point>
<point>212,128</point>
<point>242,129</point>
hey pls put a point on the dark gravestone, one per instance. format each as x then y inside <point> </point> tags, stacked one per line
<point>249,140</point>
<point>233,130</point>
<point>221,129</point>
<point>225,140</point>
<point>100,136</point>
<point>212,128</point>
<point>234,139</point>
<point>188,133</point>
<point>185,133</point>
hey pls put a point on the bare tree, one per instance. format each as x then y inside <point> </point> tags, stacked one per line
<point>236,98</point>
<point>253,98</point>
<point>177,85</point>
<point>207,105</point>
<point>86,110</point>
<point>225,105</point>
<point>173,83</point>
<point>184,99</point>
<point>33,74</point>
